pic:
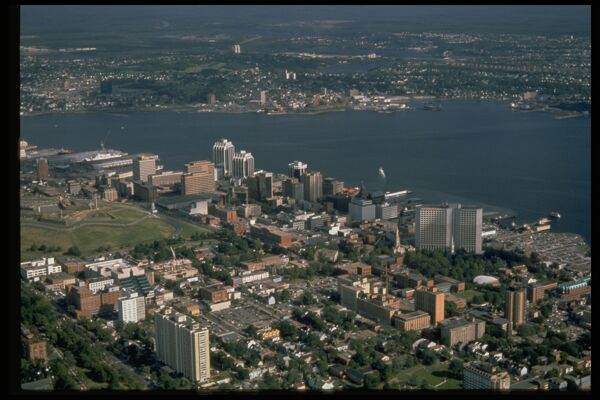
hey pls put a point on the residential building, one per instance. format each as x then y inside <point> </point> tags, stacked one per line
<point>449,227</point>
<point>514,307</point>
<point>484,376</point>
<point>131,308</point>
<point>33,270</point>
<point>457,330</point>
<point>432,302</point>
<point>243,165</point>
<point>182,344</point>
<point>271,235</point>
<point>411,321</point>
<point>223,151</point>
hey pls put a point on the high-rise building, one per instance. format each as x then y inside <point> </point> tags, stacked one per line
<point>386,211</point>
<point>132,308</point>
<point>293,188</point>
<point>263,97</point>
<point>432,302</point>
<point>212,99</point>
<point>313,186</point>
<point>260,185</point>
<point>449,227</point>
<point>457,330</point>
<point>237,49</point>
<point>514,307</point>
<point>484,376</point>
<point>42,168</point>
<point>243,165</point>
<point>182,344</point>
<point>223,152</point>
<point>297,169</point>
<point>143,166</point>
<point>361,209</point>
<point>332,186</point>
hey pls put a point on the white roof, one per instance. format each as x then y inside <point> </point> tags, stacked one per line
<point>484,280</point>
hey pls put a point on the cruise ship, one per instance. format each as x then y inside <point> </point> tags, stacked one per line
<point>104,154</point>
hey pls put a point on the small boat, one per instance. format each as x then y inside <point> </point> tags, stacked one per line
<point>554,215</point>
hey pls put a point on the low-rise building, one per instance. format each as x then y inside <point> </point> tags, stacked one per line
<point>411,321</point>
<point>484,376</point>
<point>457,330</point>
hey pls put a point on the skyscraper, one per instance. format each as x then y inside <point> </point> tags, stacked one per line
<point>260,185</point>
<point>42,168</point>
<point>449,227</point>
<point>182,344</point>
<point>212,99</point>
<point>332,186</point>
<point>237,49</point>
<point>432,302</point>
<point>223,152</point>
<point>143,166</point>
<point>514,307</point>
<point>132,308</point>
<point>293,188</point>
<point>313,186</point>
<point>243,165</point>
<point>296,169</point>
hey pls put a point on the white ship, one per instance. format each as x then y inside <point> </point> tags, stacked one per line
<point>381,172</point>
<point>104,154</point>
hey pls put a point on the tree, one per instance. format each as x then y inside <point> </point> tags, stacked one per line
<point>372,380</point>
<point>251,331</point>
<point>73,251</point>
<point>456,368</point>
<point>427,356</point>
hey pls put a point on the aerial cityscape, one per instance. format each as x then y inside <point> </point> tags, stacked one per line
<point>303,198</point>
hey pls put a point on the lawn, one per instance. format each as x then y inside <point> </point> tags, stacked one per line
<point>433,375</point>
<point>468,294</point>
<point>88,236</point>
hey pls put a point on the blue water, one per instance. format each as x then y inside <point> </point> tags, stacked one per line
<point>475,153</point>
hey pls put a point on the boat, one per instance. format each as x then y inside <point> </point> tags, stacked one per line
<point>554,215</point>
<point>104,154</point>
<point>381,172</point>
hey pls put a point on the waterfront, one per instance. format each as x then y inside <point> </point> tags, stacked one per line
<point>475,153</point>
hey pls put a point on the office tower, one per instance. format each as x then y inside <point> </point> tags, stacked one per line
<point>243,165</point>
<point>313,186</point>
<point>212,99</point>
<point>293,188</point>
<point>361,210</point>
<point>332,186</point>
<point>260,185</point>
<point>263,97</point>
<point>143,166</point>
<point>432,302</point>
<point>386,211</point>
<point>42,168</point>
<point>484,376</point>
<point>198,177</point>
<point>237,49</point>
<point>182,344</point>
<point>514,307</point>
<point>448,227</point>
<point>297,169</point>
<point>132,308</point>
<point>223,152</point>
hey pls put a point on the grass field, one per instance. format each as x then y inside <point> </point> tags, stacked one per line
<point>436,375</point>
<point>130,226</point>
<point>468,294</point>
